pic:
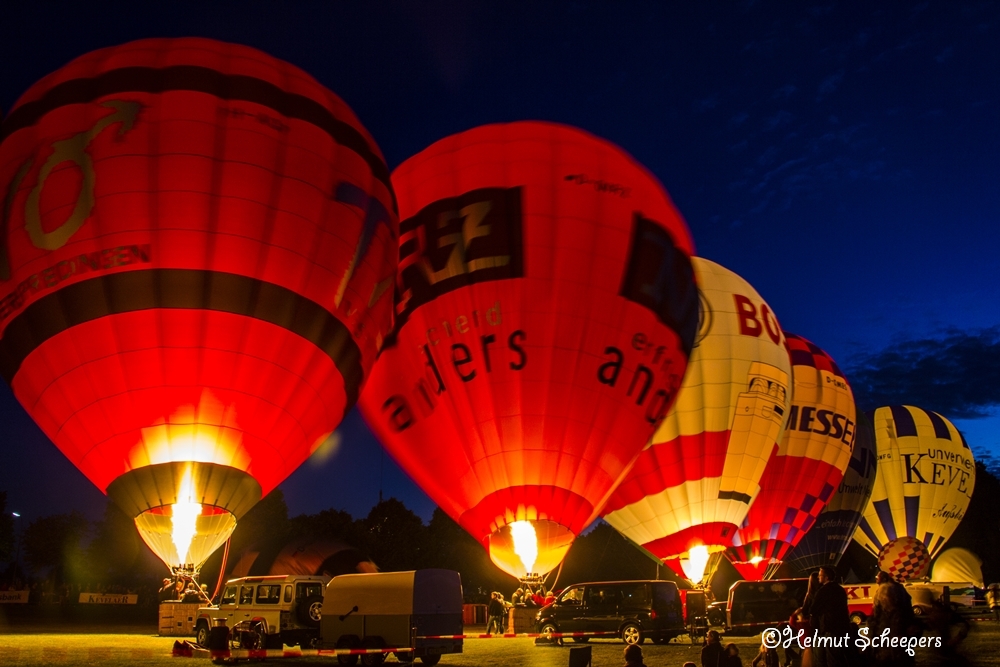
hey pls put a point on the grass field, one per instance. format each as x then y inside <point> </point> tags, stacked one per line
<point>43,647</point>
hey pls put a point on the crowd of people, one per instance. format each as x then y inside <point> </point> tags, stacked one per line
<point>824,613</point>
<point>183,589</point>
<point>498,608</point>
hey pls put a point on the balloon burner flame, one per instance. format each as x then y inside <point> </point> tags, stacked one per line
<point>696,562</point>
<point>185,514</point>
<point>525,543</point>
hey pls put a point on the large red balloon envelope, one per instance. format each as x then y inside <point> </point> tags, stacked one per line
<point>197,240</point>
<point>545,311</point>
<point>810,462</point>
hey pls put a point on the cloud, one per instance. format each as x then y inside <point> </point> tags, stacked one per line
<point>945,55</point>
<point>779,118</point>
<point>956,374</point>
<point>706,104</point>
<point>784,92</point>
<point>830,84</point>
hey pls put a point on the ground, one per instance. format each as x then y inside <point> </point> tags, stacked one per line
<point>42,647</point>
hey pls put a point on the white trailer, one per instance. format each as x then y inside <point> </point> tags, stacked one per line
<point>393,610</point>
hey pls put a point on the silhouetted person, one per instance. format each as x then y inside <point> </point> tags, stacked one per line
<point>633,656</point>
<point>711,654</point>
<point>167,591</point>
<point>892,610</point>
<point>830,618</point>
<point>731,657</point>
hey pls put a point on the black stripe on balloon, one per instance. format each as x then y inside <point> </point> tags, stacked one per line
<point>203,80</point>
<point>940,428</point>
<point>903,418</point>
<point>131,291</point>
<point>734,495</point>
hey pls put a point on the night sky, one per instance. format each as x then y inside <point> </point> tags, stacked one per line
<point>842,157</point>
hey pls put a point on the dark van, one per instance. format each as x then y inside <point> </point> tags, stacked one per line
<point>755,605</point>
<point>634,610</point>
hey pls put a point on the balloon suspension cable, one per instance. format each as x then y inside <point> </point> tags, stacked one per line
<point>222,569</point>
<point>558,572</point>
<point>714,560</point>
<point>772,569</point>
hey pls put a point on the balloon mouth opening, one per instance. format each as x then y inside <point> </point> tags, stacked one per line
<point>695,561</point>
<point>530,547</point>
<point>183,535</point>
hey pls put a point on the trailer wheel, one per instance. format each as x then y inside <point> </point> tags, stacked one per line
<point>430,660</point>
<point>372,659</point>
<point>348,641</point>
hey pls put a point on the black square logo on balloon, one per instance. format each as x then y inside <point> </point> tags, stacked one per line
<point>458,241</point>
<point>659,276</point>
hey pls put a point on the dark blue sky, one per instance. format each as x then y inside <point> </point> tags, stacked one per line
<point>842,157</point>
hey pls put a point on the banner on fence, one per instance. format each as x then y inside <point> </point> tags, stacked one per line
<point>111,598</point>
<point>14,596</point>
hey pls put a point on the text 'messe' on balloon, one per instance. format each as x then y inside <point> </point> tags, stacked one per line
<point>805,471</point>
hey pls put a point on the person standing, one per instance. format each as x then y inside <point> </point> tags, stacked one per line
<point>892,610</point>
<point>711,654</point>
<point>993,599</point>
<point>830,619</point>
<point>494,610</point>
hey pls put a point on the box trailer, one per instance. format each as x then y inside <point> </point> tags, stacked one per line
<point>405,610</point>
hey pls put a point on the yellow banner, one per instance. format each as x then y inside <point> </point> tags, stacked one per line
<point>113,598</point>
<point>13,596</point>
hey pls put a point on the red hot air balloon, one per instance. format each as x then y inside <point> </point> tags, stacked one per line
<point>197,241</point>
<point>545,311</point>
<point>810,462</point>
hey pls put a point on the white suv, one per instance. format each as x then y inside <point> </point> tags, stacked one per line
<point>278,609</point>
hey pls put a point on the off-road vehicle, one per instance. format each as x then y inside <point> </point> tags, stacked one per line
<point>276,609</point>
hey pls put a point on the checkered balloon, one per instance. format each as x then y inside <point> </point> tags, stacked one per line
<point>904,559</point>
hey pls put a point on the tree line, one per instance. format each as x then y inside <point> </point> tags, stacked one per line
<point>67,549</point>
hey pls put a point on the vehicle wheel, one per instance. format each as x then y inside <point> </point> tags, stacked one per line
<point>404,656</point>
<point>372,659</point>
<point>430,660</point>
<point>581,640</point>
<point>350,641</point>
<point>632,634</point>
<point>857,618</point>
<point>310,611</point>
<point>548,628</point>
<point>201,634</point>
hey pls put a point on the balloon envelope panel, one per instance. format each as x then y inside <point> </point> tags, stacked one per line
<point>925,478</point>
<point>809,465</point>
<point>827,540</point>
<point>545,311</point>
<point>957,564</point>
<point>694,482</point>
<point>194,236</point>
